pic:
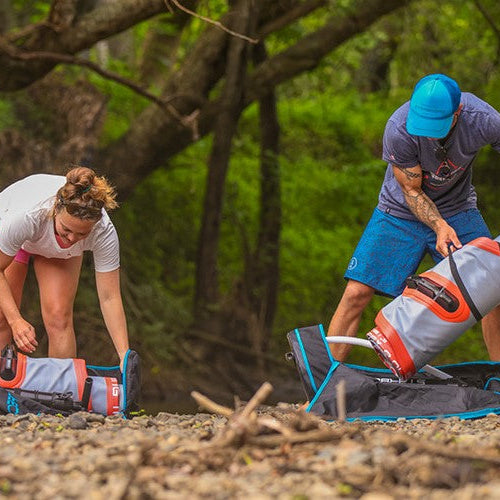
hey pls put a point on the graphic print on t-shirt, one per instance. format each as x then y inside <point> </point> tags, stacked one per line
<point>445,173</point>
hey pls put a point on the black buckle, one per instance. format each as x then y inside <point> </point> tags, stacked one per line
<point>434,291</point>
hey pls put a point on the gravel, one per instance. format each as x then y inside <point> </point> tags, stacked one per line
<point>172,456</point>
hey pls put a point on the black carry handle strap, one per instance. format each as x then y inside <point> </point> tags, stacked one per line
<point>461,286</point>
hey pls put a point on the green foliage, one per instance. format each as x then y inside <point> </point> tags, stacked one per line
<point>158,319</point>
<point>330,185</point>
<point>159,224</point>
<point>208,10</point>
<point>123,105</point>
<point>433,43</point>
<point>330,182</point>
<point>331,131</point>
<point>8,117</point>
<point>29,11</point>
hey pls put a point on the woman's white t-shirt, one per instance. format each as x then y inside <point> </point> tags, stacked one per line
<point>26,222</point>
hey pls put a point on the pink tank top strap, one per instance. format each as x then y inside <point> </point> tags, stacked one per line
<point>22,256</point>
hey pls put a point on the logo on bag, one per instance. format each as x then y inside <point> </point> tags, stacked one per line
<point>12,405</point>
<point>115,393</point>
<point>352,264</point>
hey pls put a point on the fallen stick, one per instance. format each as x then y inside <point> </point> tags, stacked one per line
<point>454,453</point>
<point>210,405</point>
<point>259,397</point>
<point>315,436</point>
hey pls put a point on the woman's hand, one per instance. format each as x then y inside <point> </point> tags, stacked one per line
<point>122,359</point>
<point>24,335</point>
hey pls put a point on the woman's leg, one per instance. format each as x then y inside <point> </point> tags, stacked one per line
<point>58,283</point>
<point>16,275</point>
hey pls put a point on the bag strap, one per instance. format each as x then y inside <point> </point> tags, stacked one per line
<point>461,286</point>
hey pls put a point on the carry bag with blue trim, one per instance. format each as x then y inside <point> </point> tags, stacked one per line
<point>52,385</point>
<point>466,390</point>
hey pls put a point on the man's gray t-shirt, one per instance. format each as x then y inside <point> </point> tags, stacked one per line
<point>446,181</point>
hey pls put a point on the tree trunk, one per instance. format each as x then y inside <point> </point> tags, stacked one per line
<point>262,270</point>
<point>373,75</point>
<point>207,285</point>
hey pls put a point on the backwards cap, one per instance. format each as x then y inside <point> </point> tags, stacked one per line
<point>434,100</point>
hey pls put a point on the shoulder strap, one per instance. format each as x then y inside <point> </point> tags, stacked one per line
<point>461,286</point>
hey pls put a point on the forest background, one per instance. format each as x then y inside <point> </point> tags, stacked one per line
<point>244,139</point>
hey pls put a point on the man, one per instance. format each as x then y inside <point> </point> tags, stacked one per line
<point>427,200</point>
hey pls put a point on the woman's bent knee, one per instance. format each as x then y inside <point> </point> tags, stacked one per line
<point>58,321</point>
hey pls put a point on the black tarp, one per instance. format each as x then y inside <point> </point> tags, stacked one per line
<point>376,394</point>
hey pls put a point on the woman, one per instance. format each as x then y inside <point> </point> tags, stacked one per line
<point>55,219</point>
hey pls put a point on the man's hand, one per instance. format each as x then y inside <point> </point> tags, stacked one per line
<point>445,235</point>
<point>424,209</point>
<point>24,335</point>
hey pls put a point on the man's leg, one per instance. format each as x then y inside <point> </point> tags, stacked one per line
<point>491,333</point>
<point>389,251</point>
<point>346,318</point>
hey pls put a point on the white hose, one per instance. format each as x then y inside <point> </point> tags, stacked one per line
<point>349,340</point>
<point>431,370</point>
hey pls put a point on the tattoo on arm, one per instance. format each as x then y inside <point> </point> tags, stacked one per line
<point>424,208</point>
<point>409,175</point>
<point>418,202</point>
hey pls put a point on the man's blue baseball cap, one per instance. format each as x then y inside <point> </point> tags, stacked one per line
<point>434,100</point>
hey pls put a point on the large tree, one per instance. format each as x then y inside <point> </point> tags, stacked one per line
<point>212,81</point>
<point>189,105</point>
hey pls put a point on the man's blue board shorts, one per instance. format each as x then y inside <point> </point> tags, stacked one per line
<point>392,248</point>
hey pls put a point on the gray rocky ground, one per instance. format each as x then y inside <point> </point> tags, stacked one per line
<point>274,452</point>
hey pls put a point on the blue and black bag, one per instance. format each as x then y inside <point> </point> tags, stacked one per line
<point>65,386</point>
<point>472,391</point>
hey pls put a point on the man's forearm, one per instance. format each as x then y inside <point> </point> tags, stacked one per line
<point>418,202</point>
<point>423,208</point>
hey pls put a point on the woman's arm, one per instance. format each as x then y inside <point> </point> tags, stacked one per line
<point>424,209</point>
<point>110,299</point>
<point>23,332</point>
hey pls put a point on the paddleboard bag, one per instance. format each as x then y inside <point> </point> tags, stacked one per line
<point>472,391</point>
<point>437,306</point>
<point>65,386</point>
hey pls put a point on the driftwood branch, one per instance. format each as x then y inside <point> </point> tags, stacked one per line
<point>341,401</point>
<point>314,436</point>
<point>246,427</point>
<point>210,405</point>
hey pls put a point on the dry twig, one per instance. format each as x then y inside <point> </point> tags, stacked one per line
<point>208,20</point>
<point>453,452</point>
<point>209,405</point>
<point>246,427</point>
